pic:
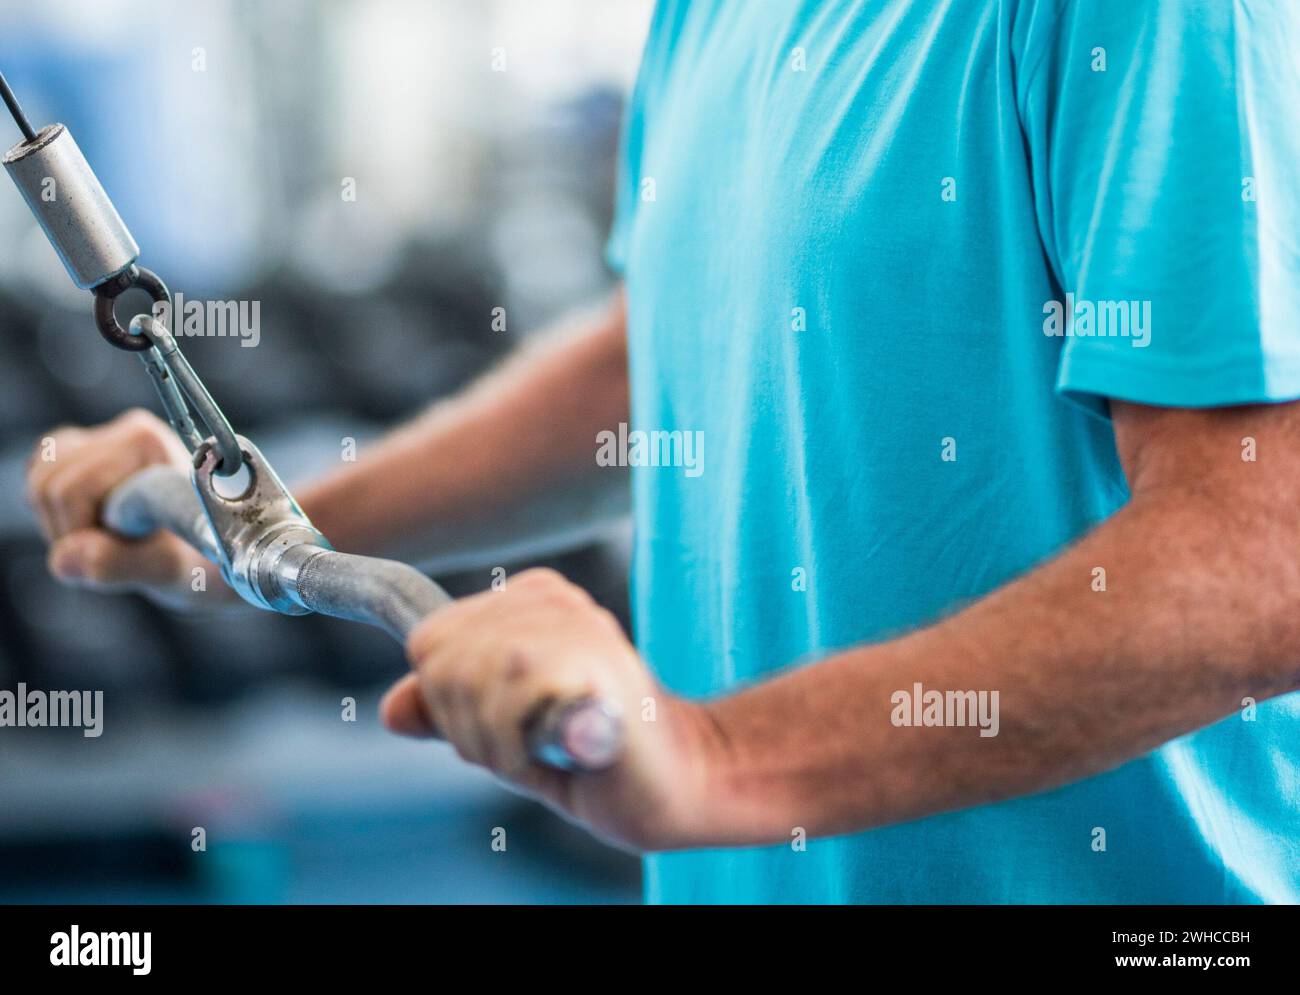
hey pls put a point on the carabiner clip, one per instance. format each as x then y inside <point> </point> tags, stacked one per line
<point>181,389</point>
<point>178,385</point>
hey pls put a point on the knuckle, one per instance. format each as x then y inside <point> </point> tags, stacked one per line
<point>415,645</point>
<point>518,665</point>
<point>436,681</point>
<point>61,491</point>
<point>449,685</point>
<point>430,679</point>
<point>56,559</point>
<point>98,563</point>
<point>423,638</point>
<point>62,434</point>
<point>142,429</point>
<point>553,586</point>
<point>608,619</point>
<point>136,419</point>
<point>540,578</point>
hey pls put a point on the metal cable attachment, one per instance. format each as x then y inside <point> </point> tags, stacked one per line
<point>100,255</point>
<point>106,295</point>
<point>253,529</point>
<point>178,385</point>
<point>181,390</point>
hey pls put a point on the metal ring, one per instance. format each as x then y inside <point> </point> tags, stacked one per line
<point>106,295</point>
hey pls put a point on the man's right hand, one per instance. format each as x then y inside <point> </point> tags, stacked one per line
<point>69,476</point>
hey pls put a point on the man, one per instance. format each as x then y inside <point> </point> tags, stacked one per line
<point>989,315</point>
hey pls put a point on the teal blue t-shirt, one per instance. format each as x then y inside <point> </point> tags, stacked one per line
<point>842,227</point>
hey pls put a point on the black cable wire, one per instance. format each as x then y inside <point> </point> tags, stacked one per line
<point>16,110</point>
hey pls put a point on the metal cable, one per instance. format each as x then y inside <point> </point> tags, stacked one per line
<point>29,133</point>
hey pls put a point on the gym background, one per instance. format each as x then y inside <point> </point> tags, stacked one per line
<point>482,139</point>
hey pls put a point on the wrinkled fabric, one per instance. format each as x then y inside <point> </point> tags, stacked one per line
<point>841,226</point>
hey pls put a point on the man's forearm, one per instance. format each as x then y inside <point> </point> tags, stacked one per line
<point>507,461</point>
<point>1198,614</point>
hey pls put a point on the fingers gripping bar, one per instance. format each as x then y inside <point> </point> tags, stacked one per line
<point>289,567</point>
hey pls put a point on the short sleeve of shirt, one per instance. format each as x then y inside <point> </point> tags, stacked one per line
<point>1164,138</point>
<point>625,188</point>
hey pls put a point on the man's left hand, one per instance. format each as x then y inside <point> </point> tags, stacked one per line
<point>482,667</point>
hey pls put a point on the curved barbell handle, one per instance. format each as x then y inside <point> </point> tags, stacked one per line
<point>583,734</point>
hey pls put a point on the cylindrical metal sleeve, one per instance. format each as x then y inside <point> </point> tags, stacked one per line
<point>385,593</point>
<point>70,205</point>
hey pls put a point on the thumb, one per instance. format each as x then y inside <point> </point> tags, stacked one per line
<point>402,710</point>
<point>95,558</point>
